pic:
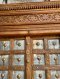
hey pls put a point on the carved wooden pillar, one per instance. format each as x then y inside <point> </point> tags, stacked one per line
<point>28,58</point>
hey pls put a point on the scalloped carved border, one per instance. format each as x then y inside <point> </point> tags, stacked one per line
<point>32,5</point>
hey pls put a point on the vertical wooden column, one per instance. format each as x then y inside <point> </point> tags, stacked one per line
<point>11,58</point>
<point>28,58</point>
<point>47,60</point>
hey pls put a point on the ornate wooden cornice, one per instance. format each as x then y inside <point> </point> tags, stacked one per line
<point>30,18</point>
<point>31,5</point>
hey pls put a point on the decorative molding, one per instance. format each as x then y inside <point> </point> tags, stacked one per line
<point>30,5</point>
<point>30,19</point>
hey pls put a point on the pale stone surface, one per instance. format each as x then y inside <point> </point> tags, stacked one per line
<point>19,1</point>
<point>1,1</point>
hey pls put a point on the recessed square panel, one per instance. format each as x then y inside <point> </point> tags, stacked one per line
<point>18,75</point>
<point>54,44</point>
<point>19,45</point>
<point>3,74</point>
<point>54,59</point>
<point>39,74</point>
<point>18,60</point>
<point>5,45</point>
<point>39,59</point>
<point>37,44</point>
<point>55,74</point>
<point>4,60</point>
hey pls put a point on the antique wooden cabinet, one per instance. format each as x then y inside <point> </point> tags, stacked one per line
<point>30,40</point>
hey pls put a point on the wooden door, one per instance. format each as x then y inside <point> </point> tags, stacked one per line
<point>15,61</point>
<point>30,58</point>
<point>46,57</point>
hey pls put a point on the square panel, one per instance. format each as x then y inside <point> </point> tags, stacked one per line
<point>37,44</point>
<point>54,59</point>
<point>4,60</point>
<point>55,74</point>
<point>18,60</point>
<point>39,74</point>
<point>54,44</point>
<point>19,45</point>
<point>18,75</point>
<point>3,74</point>
<point>39,59</point>
<point>5,45</point>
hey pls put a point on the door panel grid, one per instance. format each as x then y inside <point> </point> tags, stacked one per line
<point>51,57</point>
<point>30,58</point>
<point>12,64</point>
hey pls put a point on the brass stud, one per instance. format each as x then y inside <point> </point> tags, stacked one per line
<point>55,58</point>
<point>18,43</point>
<point>54,43</point>
<point>38,58</point>
<point>3,59</point>
<point>28,61</point>
<point>37,43</point>
<point>57,76</point>
<point>18,76</point>
<point>2,76</point>
<point>4,44</point>
<point>18,59</point>
<point>40,76</point>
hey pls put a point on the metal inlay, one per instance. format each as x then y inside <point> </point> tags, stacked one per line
<point>3,74</point>
<point>37,44</point>
<point>54,59</point>
<point>19,45</point>
<point>18,75</point>
<point>18,60</point>
<point>55,74</point>
<point>39,74</point>
<point>54,44</point>
<point>39,59</point>
<point>4,60</point>
<point>5,45</point>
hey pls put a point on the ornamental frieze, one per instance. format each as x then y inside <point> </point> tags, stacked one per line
<point>29,19</point>
<point>32,5</point>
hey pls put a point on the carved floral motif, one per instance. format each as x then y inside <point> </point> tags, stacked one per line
<point>22,19</point>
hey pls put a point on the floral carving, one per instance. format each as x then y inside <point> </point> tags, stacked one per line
<point>25,19</point>
<point>57,17</point>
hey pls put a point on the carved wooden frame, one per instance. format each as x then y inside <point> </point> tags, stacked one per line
<point>29,20</point>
